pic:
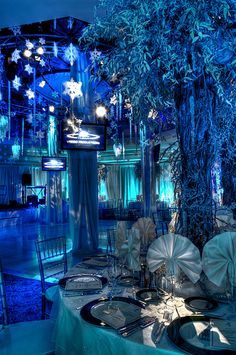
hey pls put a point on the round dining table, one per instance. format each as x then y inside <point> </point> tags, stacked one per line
<point>74,335</point>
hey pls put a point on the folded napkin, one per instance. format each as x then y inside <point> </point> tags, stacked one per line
<point>175,252</point>
<point>219,259</point>
<point>83,283</point>
<point>147,230</point>
<point>134,250</point>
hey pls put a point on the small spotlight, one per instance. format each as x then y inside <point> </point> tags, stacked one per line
<point>27,53</point>
<point>40,50</point>
<point>101,111</point>
<point>51,108</point>
<point>38,58</point>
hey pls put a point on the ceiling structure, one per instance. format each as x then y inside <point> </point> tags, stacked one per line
<point>20,12</point>
<point>16,28</point>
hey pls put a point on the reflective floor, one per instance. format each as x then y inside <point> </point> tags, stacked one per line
<point>17,247</point>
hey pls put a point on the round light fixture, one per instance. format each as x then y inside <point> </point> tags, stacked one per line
<point>51,108</point>
<point>101,111</point>
<point>27,53</point>
<point>40,50</point>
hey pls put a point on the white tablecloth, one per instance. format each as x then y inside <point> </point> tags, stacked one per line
<point>75,336</point>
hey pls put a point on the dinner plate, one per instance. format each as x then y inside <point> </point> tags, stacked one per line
<point>127,281</point>
<point>201,335</point>
<point>94,312</point>
<point>84,279</point>
<point>201,304</point>
<point>148,295</point>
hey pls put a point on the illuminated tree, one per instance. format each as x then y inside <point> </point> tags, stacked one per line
<point>178,54</point>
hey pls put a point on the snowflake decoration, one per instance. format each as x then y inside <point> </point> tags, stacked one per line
<point>30,94</point>
<point>113,100</point>
<point>42,83</point>
<point>16,30</point>
<point>95,55</point>
<point>42,41</point>
<point>40,134</point>
<point>71,54</point>
<point>55,49</point>
<point>29,69</point>
<point>73,89</point>
<point>15,55</point>
<point>29,44</point>
<point>42,63</point>
<point>55,94</point>
<point>16,83</point>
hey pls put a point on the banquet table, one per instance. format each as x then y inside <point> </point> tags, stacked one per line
<point>74,335</point>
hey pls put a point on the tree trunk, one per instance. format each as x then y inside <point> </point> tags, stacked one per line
<point>195,125</point>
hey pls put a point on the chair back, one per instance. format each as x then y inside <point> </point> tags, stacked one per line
<point>52,258</point>
<point>3,300</point>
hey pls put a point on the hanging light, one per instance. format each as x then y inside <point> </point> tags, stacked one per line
<point>40,50</point>
<point>27,53</point>
<point>51,108</point>
<point>101,111</point>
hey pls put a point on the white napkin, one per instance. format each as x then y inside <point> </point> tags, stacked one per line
<point>219,259</point>
<point>176,252</point>
<point>134,250</point>
<point>146,228</point>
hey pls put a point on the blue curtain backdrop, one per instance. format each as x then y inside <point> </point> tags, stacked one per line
<point>121,184</point>
<point>83,175</point>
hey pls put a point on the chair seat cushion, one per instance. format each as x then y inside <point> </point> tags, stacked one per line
<point>27,338</point>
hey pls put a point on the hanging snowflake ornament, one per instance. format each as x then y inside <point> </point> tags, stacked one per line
<point>15,55</point>
<point>42,63</point>
<point>95,55</point>
<point>42,41</point>
<point>55,94</point>
<point>16,83</point>
<point>55,49</point>
<point>113,100</point>
<point>16,30</point>
<point>73,89</point>
<point>29,69</point>
<point>29,44</point>
<point>30,94</point>
<point>71,54</point>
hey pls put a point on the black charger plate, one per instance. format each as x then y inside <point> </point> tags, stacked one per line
<point>175,334</point>
<point>86,314</point>
<point>200,304</point>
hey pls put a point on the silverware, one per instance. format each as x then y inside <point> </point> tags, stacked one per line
<point>141,323</point>
<point>167,317</point>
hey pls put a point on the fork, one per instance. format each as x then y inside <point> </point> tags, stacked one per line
<point>167,317</point>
